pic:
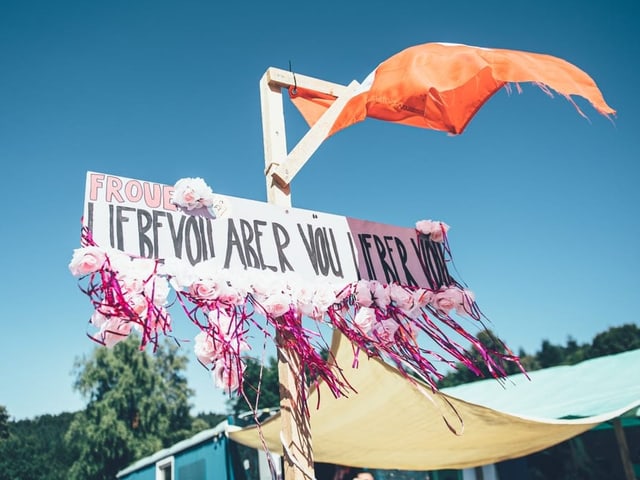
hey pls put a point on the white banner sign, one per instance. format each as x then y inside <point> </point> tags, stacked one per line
<point>137,217</point>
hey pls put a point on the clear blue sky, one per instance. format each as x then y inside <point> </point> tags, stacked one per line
<point>543,204</point>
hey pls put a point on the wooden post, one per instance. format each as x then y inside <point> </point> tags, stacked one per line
<point>280,168</point>
<point>624,449</point>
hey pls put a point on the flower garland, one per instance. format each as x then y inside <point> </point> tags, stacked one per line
<point>382,320</point>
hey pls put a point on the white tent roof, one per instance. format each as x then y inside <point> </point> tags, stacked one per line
<point>392,424</point>
<point>592,388</point>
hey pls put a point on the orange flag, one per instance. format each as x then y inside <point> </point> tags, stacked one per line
<point>441,86</point>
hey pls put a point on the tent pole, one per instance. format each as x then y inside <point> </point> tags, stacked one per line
<point>624,449</point>
<point>295,437</point>
<point>295,432</point>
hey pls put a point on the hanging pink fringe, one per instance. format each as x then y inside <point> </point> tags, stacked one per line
<point>383,321</point>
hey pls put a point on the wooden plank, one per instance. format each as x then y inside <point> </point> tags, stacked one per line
<point>283,79</point>
<point>312,140</point>
<point>623,448</point>
<point>295,433</point>
<point>296,429</point>
<point>282,169</point>
<point>274,139</point>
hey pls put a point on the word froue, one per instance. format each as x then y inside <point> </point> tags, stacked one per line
<point>139,218</point>
<point>119,190</point>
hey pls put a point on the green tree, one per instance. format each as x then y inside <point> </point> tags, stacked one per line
<point>4,423</point>
<point>138,402</point>
<point>550,355</point>
<point>575,353</point>
<point>615,340</point>
<point>528,362</point>
<point>463,374</point>
<point>33,450</point>
<point>208,420</point>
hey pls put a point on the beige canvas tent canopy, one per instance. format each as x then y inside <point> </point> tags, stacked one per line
<point>392,424</point>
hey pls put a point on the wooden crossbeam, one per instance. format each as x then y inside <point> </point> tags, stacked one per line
<point>280,168</point>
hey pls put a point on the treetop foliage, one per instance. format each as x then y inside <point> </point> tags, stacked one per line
<point>615,340</point>
<point>138,403</point>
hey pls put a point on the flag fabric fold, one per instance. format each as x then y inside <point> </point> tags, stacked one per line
<point>441,86</point>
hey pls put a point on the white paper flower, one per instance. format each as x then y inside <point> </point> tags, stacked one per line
<point>265,284</point>
<point>182,274</point>
<point>205,349</point>
<point>207,289</point>
<point>118,260</point>
<point>113,331</point>
<point>209,269</point>
<point>468,299</point>
<point>98,319</point>
<point>380,294</point>
<point>422,297</point>
<point>86,260</point>
<point>137,303</point>
<point>401,297</point>
<point>363,294</point>
<point>385,329</point>
<point>192,193</point>
<point>239,280</point>
<point>224,326</point>
<point>303,293</point>
<point>142,268</point>
<point>323,297</point>
<point>134,274</point>
<point>229,295</point>
<point>436,230</point>
<point>158,290</point>
<point>365,319</point>
<point>228,377</point>
<point>302,297</point>
<point>277,304</point>
<point>447,299</point>
<point>343,291</point>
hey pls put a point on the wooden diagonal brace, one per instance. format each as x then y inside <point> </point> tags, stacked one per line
<point>282,172</point>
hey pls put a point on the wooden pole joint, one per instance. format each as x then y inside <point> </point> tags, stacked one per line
<point>280,168</point>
